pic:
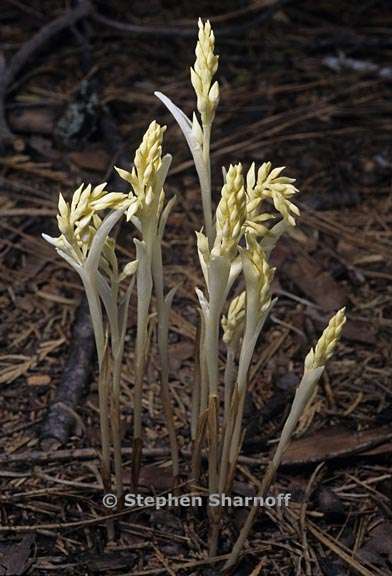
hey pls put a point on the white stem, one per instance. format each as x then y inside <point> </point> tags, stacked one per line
<point>163,309</point>
<point>103,385</point>
<point>304,392</point>
<point>229,379</point>
<point>212,348</point>
<point>206,192</point>
<point>302,396</point>
<point>228,421</point>
<point>95,313</point>
<point>212,358</point>
<point>201,157</point>
<point>196,388</point>
<point>203,368</point>
<point>144,291</point>
<point>116,419</point>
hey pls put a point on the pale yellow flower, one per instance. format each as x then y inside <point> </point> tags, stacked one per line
<point>324,349</point>
<point>79,220</point>
<point>270,184</point>
<point>255,218</point>
<point>202,73</point>
<point>233,323</point>
<point>230,213</point>
<point>148,158</point>
<point>258,273</point>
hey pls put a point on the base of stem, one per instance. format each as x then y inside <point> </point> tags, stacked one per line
<point>137,449</point>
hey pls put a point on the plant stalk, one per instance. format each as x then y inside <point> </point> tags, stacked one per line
<point>144,291</point>
<point>206,193</point>
<point>196,388</point>
<point>229,379</point>
<point>212,359</point>
<point>213,438</point>
<point>236,550</point>
<point>302,396</point>
<point>163,309</point>
<point>103,386</point>
<point>116,421</point>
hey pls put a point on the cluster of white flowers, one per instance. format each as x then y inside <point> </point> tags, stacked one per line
<point>146,198</point>
<point>202,73</point>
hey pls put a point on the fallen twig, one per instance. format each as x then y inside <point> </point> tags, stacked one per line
<point>359,443</point>
<point>177,31</point>
<point>61,418</point>
<point>9,72</point>
<point>34,457</point>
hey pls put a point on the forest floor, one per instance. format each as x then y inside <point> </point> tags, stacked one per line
<point>305,85</point>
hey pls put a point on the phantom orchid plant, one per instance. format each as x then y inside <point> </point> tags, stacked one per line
<point>86,245</point>
<point>149,214</point>
<point>238,242</point>
<point>198,133</point>
<point>315,363</point>
<point>234,246</point>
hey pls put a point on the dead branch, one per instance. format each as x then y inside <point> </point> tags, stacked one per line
<point>176,31</point>
<point>27,52</point>
<point>34,457</point>
<point>61,418</point>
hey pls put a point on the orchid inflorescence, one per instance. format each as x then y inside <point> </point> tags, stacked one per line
<point>202,74</point>
<point>149,214</point>
<point>237,242</point>
<point>85,243</point>
<point>234,246</point>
